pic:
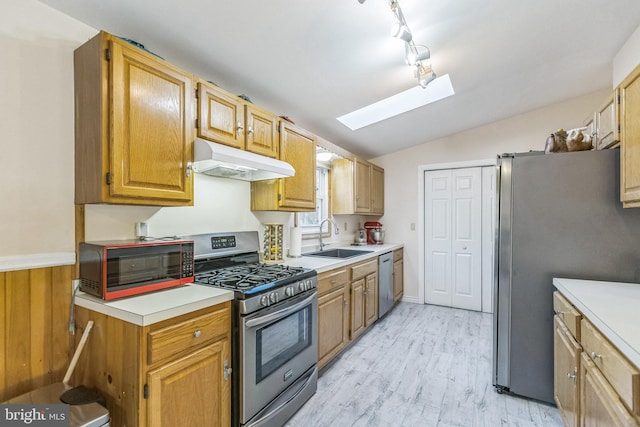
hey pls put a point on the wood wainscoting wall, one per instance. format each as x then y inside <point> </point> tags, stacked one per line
<point>35,345</point>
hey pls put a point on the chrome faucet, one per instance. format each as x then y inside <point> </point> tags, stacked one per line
<point>320,233</point>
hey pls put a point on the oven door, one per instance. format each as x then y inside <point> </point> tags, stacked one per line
<point>278,345</point>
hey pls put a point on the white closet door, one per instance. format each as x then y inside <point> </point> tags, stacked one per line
<point>438,237</point>
<point>453,268</point>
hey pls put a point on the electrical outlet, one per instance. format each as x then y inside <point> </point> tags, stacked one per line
<point>345,226</point>
<point>142,229</point>
<point>413,226</point>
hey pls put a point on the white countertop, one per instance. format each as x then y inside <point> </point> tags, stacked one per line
<point>613,307</point>
<point>322,264</point>
<point>156,306</point>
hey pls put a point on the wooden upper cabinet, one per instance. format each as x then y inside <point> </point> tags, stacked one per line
<point>362,187</point>
<point>357,187</point>
<point>227,119</point>
<point>133,118</point>
<point>377,190</point>
<point>298,148</point>
<point>630,139</point>
<point>220,116</point>
<point>261,131</point>
<point>296,193</point>
<point>607,123</point>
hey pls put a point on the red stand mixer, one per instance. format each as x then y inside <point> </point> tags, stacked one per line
<point>375,233</point>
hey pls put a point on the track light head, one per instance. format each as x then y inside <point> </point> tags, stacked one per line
<point>417,54</point>
<point>424,74</point>
<point>401,31</point>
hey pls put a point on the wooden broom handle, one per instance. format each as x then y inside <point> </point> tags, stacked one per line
<point>76,355</point>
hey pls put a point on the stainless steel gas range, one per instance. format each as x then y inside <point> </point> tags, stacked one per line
<point>275,324</point>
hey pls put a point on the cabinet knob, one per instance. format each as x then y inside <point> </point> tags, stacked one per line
<point>197,333</point>
<point>573,375</point>
<point>240,127</point>
<point>250,130</point>
<point>189,168</point>
<point>227,370</point>
<point>594,356</point>
<point>333,282</point>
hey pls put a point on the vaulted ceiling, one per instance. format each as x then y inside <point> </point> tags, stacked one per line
<point>315,61</point>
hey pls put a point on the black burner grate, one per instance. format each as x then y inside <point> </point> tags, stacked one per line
<point>247,276</point>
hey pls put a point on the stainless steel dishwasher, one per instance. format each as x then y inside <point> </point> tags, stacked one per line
<point>385,283</point>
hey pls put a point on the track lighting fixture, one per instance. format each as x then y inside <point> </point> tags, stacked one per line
<point>416,55</point>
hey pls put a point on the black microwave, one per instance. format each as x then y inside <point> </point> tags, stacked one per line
<point>111,270</point>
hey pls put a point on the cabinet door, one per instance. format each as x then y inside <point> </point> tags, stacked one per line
<point>566,373</point>
<point>607,123</point>
<point>357,308</point>
<point>377,190</point>
<point>630,140</point>
<point>151,122</point>
<point>193,390</point>
<point>220,116</point>
<point>371,299</point>
<point>600,404</point>
<point>333,324</point>
<point>362,186</point>
<point>261,131</point>
<point>298,148</point>
<point>398,279</point>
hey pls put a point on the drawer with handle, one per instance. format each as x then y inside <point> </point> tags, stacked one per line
<point>397,255</point>
<point>567,313</point>
<point>363,269</point>
<point>188,334</point>
<point>623,376</point>
<point>331,280</point>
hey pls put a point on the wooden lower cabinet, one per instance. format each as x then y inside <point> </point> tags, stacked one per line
<point>594,384</point>
<point>347,306</point>
<point>333,314</point>
<point>371,299</point>
<point>357,308</point>
<point>398,275</point>
<point>364,296</point>
<point>566,373</point>
<point>170,373</point>
<point>601,406</point>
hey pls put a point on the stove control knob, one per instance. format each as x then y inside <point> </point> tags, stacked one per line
<point>301,286</point>
<point>264,301</point>
<point>289,291</point>
<point>273,297</point>
<point>309,284</point>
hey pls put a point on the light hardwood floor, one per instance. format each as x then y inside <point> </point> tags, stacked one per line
<point>420,366</point>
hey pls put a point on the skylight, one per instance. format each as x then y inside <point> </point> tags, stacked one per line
<point>408,100</point>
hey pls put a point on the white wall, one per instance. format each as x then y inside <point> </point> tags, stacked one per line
<point>524,132</point>
<point>36,123</point>
<point>627,58</point>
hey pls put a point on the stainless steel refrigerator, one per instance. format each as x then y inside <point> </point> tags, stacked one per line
<point>559,215</point>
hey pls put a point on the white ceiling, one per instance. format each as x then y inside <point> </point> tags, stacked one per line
<point>317,60</point>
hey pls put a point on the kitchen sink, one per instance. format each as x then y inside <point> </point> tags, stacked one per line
<point>338,253</point>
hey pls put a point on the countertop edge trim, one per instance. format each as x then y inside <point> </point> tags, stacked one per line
<point>28,262</point>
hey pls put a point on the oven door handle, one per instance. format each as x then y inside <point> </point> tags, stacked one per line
<point>262,320</point>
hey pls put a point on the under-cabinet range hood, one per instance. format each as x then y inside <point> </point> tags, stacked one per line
<point>228,162</point>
